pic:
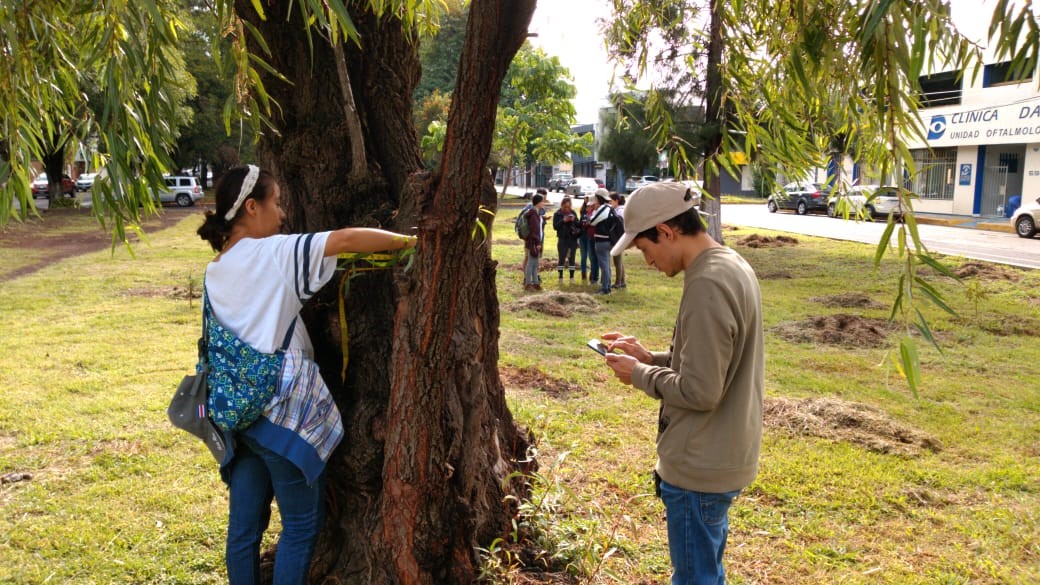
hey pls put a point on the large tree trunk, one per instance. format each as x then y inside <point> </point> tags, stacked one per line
<point>54,166</point>
<point>416,485</point>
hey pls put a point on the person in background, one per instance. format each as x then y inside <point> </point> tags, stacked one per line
<point>600,220</point>
<point>710,383</point>
<point>585,244</point>
<point>533,243</point>
<point>568,229</point>
<point>617,201</point>
<point>255,287</point>
<point>523,212</point>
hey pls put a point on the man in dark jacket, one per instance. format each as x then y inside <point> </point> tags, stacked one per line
<point>533,243</point>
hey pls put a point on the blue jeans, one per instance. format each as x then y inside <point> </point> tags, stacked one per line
<point>257,475</point>
<point>698,524</point>
<point>588,252</point>
<point>603,259</point>
<point>531,269</point>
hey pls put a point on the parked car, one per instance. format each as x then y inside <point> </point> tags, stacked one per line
<point>559,181</point>
<point>582,187</point>
<point>85,181</point>
<point>182,190</point>
<point>802,197</point>
<point>872,200</point>
<point>636,181</point>
<point>40,185</point>
<point>1026,219</point>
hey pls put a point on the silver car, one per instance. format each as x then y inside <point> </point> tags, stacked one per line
<point>182,190</point>
<point>582,187</point>
<point>872,200</point>
<point>1026,218</point>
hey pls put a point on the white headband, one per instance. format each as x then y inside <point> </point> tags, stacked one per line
<point>247,187</point>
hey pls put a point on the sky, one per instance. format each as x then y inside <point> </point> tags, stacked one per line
<point>569,30</point>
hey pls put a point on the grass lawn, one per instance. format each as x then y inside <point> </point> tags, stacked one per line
<point>860,481</point>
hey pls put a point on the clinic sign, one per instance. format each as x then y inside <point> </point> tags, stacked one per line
<point>1011,124</point>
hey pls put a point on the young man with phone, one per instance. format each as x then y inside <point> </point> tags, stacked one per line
<point>710,382</point>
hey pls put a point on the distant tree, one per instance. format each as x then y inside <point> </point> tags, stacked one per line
<point>54,56</point>
<point>439,54</point>
<point>198,142</point>
<point>780,78</point>
<point>535,113</point>
<point>430,118</point>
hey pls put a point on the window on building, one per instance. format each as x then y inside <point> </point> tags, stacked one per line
<point>940,89</point>
<point>1004,74</point>
<point>936,171</point>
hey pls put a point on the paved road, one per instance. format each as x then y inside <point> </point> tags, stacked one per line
<point>977,244</point>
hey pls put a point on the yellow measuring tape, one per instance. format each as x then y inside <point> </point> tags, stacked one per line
<point>352,264</point>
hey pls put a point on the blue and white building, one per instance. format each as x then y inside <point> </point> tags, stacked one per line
<point>983,142</point>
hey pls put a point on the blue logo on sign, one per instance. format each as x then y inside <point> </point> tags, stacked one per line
<point>937,127</point>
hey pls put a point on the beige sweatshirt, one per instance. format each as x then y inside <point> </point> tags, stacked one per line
<point>711,384</point>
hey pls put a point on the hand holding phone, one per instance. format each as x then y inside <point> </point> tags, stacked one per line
<point>597,346</point>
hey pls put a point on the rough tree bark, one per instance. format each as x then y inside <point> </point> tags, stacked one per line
<point>417,483</point>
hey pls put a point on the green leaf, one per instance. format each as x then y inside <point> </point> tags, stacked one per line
<point>926,332</point>
<point>911,365</point>
<point>933,295</point>
<point>937,266</point>
<point>883,244</point>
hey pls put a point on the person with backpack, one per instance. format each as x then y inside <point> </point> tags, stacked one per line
<point>533,242</point>
<point>520,224</point>
<point>617,201</point>
<point>568,228</point>
<point>254,289</point>
<point>603,220</point>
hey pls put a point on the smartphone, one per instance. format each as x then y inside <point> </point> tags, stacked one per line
<point>597,346</point>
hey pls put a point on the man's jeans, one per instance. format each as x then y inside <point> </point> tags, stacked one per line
<point>698,524</point>
<point>603,260</point>
<point>531,269</point>
<point>257,474</point>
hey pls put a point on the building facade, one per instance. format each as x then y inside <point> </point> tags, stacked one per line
<point>982,143</point>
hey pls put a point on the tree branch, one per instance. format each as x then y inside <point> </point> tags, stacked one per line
<point>359,162</point>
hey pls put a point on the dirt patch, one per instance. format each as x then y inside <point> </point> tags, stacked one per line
<point>182,293</point>
<point>840,329</point>
<point>759,241</point>
<point>848,300</point>
<point>838,420</point>
<point>56,244</point>
<point>987,272</point>
<point>534,379</point>
<point>778,275</point>
<point>556,304</point>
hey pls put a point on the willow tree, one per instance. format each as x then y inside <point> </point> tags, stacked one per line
<point>420,480</point>
<point>781,81</point>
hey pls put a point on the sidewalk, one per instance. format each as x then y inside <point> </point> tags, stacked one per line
<point>993,224</point>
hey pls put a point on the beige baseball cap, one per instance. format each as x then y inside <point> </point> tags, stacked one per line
<point>650,205</point>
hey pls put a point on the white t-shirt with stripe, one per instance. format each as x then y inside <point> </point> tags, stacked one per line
<point>258,286</point>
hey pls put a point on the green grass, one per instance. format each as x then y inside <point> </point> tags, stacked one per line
<point>119,496</point>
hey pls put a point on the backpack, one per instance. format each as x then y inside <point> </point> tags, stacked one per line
<point>522,227</point>
<point>616,227</point>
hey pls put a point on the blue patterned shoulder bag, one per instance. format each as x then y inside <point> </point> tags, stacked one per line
<point>242,379</point>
